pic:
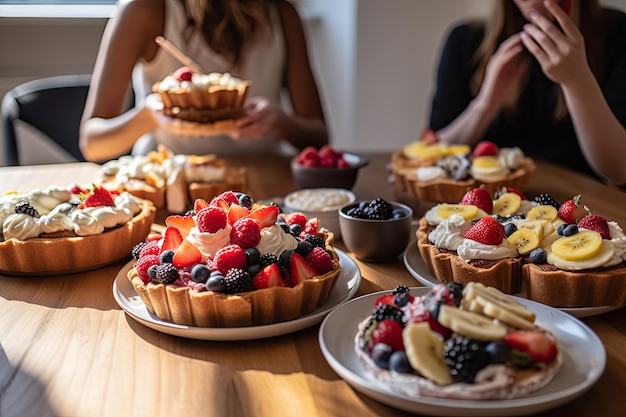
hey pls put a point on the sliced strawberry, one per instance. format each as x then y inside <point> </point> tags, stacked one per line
<point>186,255</point>
<point>172,238</point>
<point>268,277</point>
<point>435,326</point>
<point>571,211</point>
<point>597,224</point>
<point>429,136</point>
<point>228,196</point>
<point>296,218</point>
<point>153,236</point>
<point>199,204</point>
<point>312,226</point>
<point>480,198</point>
<point>236,212</point>
<point>221,203</point>
<point>487,230</point>
<point>183,74</point>
<point>485,148</point>
<point>265,215</point>
<point>539,346</point>
<point>300,269</point>
<point>388,332</point>
<point>385,299</point>
<point>182,223</point>
<point>97,197</point>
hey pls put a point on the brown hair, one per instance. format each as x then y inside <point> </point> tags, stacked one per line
<point>227,26</point>
<point>507,20</point>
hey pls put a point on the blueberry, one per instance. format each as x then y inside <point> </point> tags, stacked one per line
<point>570,229</point>
<point>559,230</point>
<point>216,283</point>
<point>498,351</point>
<point>166,256</point>
<point>538,256</point>
<point>397,213</point>
<point>399,362</point>
<point>200,273</point>
<point>401,299</point>
<point>152,271</point>
<point>380,354</point>
<point>253,270</point>
<point>285,258</point>
<point>304,248</point>
<point>246,201</point>
<point>252,256</point>
<point>509,229</point>
<point>295,229</point>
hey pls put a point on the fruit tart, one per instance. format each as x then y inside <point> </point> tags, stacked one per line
<point>234,263</point>
<point>460,342</point>
<point>430,170</point>
<point>69,229</point>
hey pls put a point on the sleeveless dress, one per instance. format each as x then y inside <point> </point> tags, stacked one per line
<point>263,65</point>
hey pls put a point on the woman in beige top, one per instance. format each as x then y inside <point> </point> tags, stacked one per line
<point>262,41</point>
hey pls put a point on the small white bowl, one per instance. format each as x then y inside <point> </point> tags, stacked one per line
<point>323,203</point>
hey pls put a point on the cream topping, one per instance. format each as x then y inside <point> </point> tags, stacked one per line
<point>430,173</point>
<point>511,158</point>
<point>275,240</point>
<point>86,224</point>
<point>449,233</point>
<point>470,249</point>
<point>20,226</point>
<point>209,243</point>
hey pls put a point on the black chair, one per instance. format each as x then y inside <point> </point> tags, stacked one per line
<point>52,105</point>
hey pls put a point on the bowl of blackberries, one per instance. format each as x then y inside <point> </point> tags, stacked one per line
<point>375,230</point>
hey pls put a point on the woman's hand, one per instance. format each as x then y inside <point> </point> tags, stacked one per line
<point>561,53</point>
<point>262,118</point>
<point>503,75</point>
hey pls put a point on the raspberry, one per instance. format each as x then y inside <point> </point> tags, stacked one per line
<point>320,260</point>
<point>166,274</point>
<point>228,257</point>
<point>211,219</point>
<point>296,218</point>
<point>245,232</point>
<point>238,280</point>
<point>151,248</point>
<point>143,264</point>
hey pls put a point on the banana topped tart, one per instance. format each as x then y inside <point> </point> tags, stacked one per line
<point>232,263</point>
<point>563,254</point>
<point>430,170</point>
<point>62,229</point>
<point>469,343</point>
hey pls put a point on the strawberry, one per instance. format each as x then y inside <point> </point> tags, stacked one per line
<point>153,236</point>
<point>77,190</point>
<point>296,218</point>
<point>199,204</point>
<point>268,277</point>
<point>388,332</point>
<point>571,211</point>
<point>97,197</point>
<point>435,326</point>
<point>235,212</point>
<point>265,215</point>
<point>320,260</point>
<point>429,136</point>
<point>211,219</point>
<point>228,257</point>
<point>186,255</point>
<point>183,74</point>
<point>246,232</point>
<point>300,269</point>
<point>487,231</point>
<point>221,203</point>
<point>229,197</point>
<point>311,226</point>
<point>390,299</point>
<point>484,148</point>
<point>539,346</point>
<point>172,238</point>
<point>182,223</point>
<point>143,264</point>
<point>597,224</point>
<point>480,198</point>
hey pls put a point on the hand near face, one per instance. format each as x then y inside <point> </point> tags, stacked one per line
<point>561,53</point>
<point>263,117</point>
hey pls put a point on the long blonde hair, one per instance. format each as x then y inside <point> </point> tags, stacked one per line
<point>227,26</point>
<point>507,20</point>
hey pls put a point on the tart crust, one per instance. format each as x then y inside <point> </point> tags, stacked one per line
<point>186,306</point>
<point>61,255</point>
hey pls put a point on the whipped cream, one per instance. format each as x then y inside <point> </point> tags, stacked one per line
<point>430,173</point>
<point>274,240</point>
<point>449,233</point>
<point>511,158</point>
<point>20,226</point>
<point>209,243</point>
<point>213,79</point>
<point>470,249</point>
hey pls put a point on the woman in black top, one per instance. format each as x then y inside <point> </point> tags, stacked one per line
<point>548,78</point>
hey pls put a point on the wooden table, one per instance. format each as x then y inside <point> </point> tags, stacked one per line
<point>67,349</point>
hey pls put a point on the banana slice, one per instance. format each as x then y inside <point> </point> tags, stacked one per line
<point>542,212</point>
<point>524,240</point>
<point>542,227</point>
<point>497,311</point>
<point>486,161</point>
<point>580,246</point>
<point>458,149</point>
<point>467,211</point>
<point>470,324</point>
<point>475,289</point>
<point>507,204</point>
<point>424,350</point>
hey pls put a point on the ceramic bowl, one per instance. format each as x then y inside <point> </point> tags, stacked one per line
<point>320,177</point>
<point>376,240</point>
<point>323,203</point>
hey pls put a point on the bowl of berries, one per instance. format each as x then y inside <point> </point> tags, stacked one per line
<point>326,167</point>
<point>375,230</point>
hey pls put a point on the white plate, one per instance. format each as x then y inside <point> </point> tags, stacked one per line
<point>584,360</point>
<point>415,265</point>
<point>347,284</point>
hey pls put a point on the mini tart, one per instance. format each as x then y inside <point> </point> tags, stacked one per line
<point>446,266</point>
<point>186,306</point>
<point>60,255</point>
<point>449,190</point>
<point>558,288</point>
<point>236,178</point>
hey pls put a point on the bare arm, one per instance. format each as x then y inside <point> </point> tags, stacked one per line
<point>107,132</point>
<point>562,57</point>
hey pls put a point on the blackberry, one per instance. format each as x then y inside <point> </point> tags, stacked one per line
<point>357,213</point>
<point>387,312</point>
<point>315,241</point>
<point>401,296</point>
<point>379,209</point>
<point>546,199</point>
<point>304,248</point>
<point>456,289</point>
<point>166,274</point>
<point>465,357</point>
<point>137,249</point>
<point>401,289</point>
<point>268,259</point>
<point>25,208</point>
<point>237,280</point>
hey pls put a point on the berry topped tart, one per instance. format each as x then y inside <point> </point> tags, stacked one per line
<point>69,229</point>
<point>562,255</point>
<point>430,170</point>
<point>469,343</point>
<point>232,262</point>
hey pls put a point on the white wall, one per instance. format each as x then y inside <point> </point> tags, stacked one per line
<point>374,60</point>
